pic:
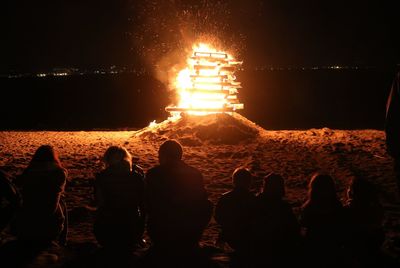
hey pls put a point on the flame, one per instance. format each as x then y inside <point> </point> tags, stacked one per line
<point>152,124</point>
<point>207,84</point>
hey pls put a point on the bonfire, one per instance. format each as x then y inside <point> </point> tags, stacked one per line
<point>206,111</point>
<point>208,84</point>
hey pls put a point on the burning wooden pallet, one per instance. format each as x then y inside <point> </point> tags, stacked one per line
<point>208,84</point>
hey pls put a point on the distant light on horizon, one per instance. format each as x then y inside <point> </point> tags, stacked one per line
<point>60,74</point>
<point>114,70</point>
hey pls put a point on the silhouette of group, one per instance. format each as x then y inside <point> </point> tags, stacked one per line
<point>170,202</point>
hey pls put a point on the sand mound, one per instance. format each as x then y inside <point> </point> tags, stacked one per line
<point>208,129</point>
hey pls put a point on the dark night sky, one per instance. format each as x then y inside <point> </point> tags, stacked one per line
<point>39,35</point>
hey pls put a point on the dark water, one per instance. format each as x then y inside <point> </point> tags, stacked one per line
<point>345,99</point>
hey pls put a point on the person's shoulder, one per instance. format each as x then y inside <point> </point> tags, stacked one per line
<point>262,199</point>
<point>191,169</point>
<point>194,169</point>
<point>53,173</point>
<point>154,171</point>
<point>226,196</point>
<point>100,176</point>
<point>61,171</point>
<point>60,174</point>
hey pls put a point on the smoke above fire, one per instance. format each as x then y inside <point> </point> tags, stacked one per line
<point>165,32</point>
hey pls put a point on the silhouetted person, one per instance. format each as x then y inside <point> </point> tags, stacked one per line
<point>322,217</point>
<point>176,202</point>
<point>119,195</point>
<point>9,200</point>
<point>41,221</point>
<point>42,218</point>
<point>364,223</point>
<point>277,232</point>
<point>235,212</point>
<point>392,126</point>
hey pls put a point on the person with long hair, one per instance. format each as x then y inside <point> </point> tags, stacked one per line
<point>42,218</point>
<point>322,218</point>
<point>119,193</point>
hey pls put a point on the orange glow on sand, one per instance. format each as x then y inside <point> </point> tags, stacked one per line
<point>207,85</point>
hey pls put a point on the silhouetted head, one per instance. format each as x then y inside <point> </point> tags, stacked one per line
<point>361,191</point>
<point>170,151</point>
<point>117,157</point>
<point>45,156</point>
<point>242,178</point>
<point>321,188</point>
<point>274,186</point>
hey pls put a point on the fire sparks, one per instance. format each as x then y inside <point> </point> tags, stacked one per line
<point>207,85</point>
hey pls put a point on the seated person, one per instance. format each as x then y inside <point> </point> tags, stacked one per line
<point>235,212</point>
<point>277,230</point>
<point>42,217</point>
<point>176,202</point>
<point>322,218</point>
<point>119,193</point>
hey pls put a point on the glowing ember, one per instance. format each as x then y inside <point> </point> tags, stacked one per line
<point>208,84</point>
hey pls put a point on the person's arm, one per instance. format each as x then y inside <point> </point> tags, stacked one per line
<point>57,184</point>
